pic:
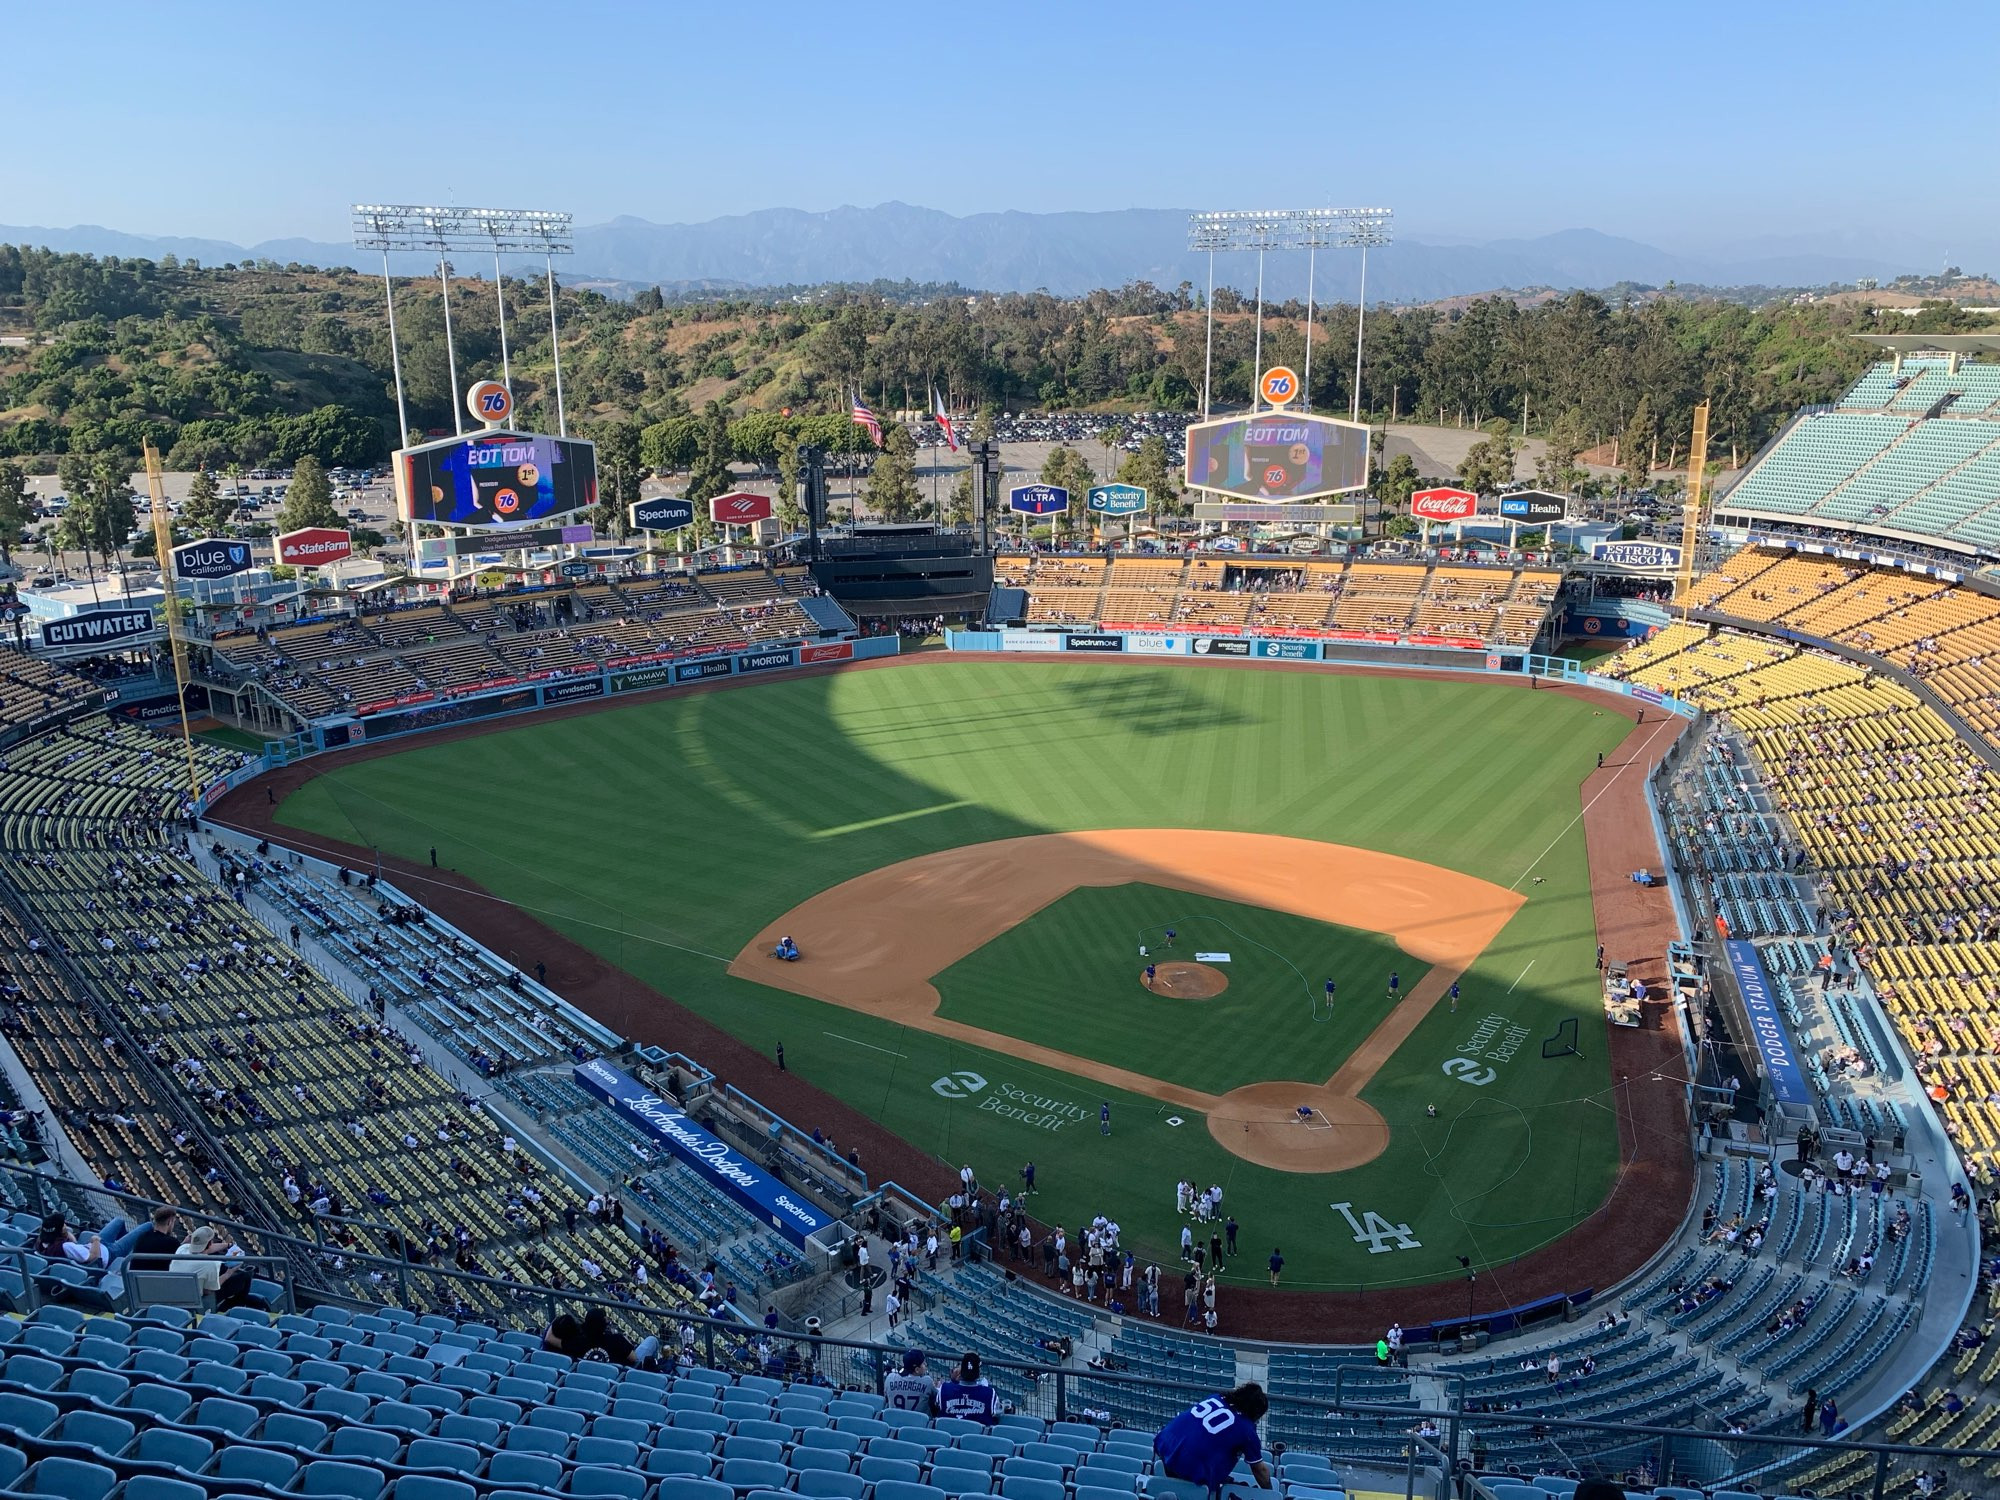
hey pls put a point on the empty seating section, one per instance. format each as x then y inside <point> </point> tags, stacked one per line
<point>288,1073</point>
<point>1914,452</point>
<point>1819,452</point>
<point>32,689</point>
<point>348,664</point>
<point>1901,819</point>
<point>484,1012</point>
<point>1140,590</point>
<point>1450,600</point>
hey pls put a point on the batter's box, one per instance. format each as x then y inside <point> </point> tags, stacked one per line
<point>1312,1119</point>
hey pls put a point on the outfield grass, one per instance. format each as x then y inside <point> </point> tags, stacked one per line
<point>1069,978</point>
<point>665,834</point>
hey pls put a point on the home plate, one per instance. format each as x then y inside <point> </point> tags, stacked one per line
<point>1211,958</point>
<point>1174,1119</point>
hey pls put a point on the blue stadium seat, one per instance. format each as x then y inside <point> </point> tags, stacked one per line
<point>890,1470</point>
<point>12,1462</point>
<point>824,1484</point>
<point>901,1448</point>
<point>995,1446</point>
<point>624,1429</point>
<point>369,1444</point>
<point>68,1479</point>
<point>290,1430</point>
<point>763,1450</point>
<point>827,1439</point>
<point>820,1458</point>
<point>159,1487</point>
<point>430,1487</point>
<point>246,1465</point>
<point>185,1451</point>
<point>683,1441</point>
<point>328,1477</point>
<point>598,1479</point>
<point>746,1474</point>
<point>692,1489</point>
<point>1021,1487</point>
<point>606,1452</point>
<point>527,1471</point>
<point>897,1490</point>
<point>687,1465</point>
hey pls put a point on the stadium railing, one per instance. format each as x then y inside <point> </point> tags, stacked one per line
<point>1347,1426</point>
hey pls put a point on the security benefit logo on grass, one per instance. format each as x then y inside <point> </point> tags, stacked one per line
<point>1009,1102</point>
<point>1495,1040</point>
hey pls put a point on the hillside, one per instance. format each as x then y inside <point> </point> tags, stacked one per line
<point>265,362</point>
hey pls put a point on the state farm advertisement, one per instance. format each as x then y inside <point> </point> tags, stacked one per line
<point>314,547</point>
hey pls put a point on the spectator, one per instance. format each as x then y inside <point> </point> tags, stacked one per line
<point>201,1258</point>
<point>1203,1444</point>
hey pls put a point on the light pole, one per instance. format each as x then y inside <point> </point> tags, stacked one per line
<point>1308,229</point>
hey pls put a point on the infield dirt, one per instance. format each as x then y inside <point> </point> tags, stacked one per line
<point>874,943</point>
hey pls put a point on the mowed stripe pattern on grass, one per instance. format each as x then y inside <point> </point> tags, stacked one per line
<point>664,832</point>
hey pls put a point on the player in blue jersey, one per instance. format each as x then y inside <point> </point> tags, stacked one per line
<point>1202,1445</point>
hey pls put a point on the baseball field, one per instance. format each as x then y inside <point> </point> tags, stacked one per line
<point>971,856</point>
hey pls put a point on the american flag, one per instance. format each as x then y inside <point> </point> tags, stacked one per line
<point>944,420</point>
<point>866,419</point>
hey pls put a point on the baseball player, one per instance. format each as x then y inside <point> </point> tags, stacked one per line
<point>1150,970</point>
<point>1454,997</point>
<point>1395,984</point>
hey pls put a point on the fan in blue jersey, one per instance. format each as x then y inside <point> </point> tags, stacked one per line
<point>966,1395</point>
<point>1202,1445</point>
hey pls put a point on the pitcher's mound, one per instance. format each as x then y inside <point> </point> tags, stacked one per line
<point>1187,981</point>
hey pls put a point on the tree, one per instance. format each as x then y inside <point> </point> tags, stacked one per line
<point>13,509</point>
<point>1638,444</point>
<point>1149,470</point>
<point>308,499</point>
<point>619,474</point>
<point>368,541</point>
<point>985,423</point>
<point>205,511</point>
<point>892,491</point>
<point>670,447</point>
<point>1070,470</point>
<point>708,475</point>
<point>958,505</point>
<point>100,514</point>
<point>1489,463</point>
<point>791,515</point>
<point>1399,481</point>
<point>1557,468</point>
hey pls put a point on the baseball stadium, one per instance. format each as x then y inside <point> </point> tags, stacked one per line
<point>1531,1063</point>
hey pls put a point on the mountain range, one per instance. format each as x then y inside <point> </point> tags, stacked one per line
<point>1064,253</point>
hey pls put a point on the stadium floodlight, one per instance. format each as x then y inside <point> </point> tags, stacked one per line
<point>1307,229</point>
<point>509,231</point>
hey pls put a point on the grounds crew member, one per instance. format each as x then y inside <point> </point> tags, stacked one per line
<point>1202,1445</point>
<point>967,1395</point>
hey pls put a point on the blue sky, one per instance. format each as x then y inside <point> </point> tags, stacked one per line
<point>1690,125</point>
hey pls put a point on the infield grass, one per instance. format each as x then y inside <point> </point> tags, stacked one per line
<point>664,834</point>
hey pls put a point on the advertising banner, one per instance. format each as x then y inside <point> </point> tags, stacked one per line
<point>1534,507</point>
<point>1030,640</point>
<point>1116,499</point>
<point>767,661</point>
<point>740,508</point>
<point>452,711</point>
<point>714,1160</point>
<point>1444,505</point>
<point>211,558</point>
<point>101,627</point>
<point>642,677</point>
<point>1643,557</point>
<point>572,692</point>
<point>695,671</point>
<point>1154,643</point>
<point>1093,643</point>
<point>1220,645</point>
<point>664,513</point>
<point>1288,650</point>
<point>1038,499</point>
<point>828,651</point>
<point>1767,1026</point>
<point>314,546</point>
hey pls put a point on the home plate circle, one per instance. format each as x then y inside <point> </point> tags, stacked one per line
<point>1186,981</point>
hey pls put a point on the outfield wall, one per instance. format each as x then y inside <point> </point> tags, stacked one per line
<point>1182,642</point>
<point>606,682</point>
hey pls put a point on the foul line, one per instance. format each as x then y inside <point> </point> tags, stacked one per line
<point>1622,769</point>
<point>1519,977</point>
<point>398,879</point>
<point>852,1042</point>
